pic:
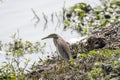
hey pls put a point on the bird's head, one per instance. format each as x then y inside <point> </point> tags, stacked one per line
<point>55,36</point>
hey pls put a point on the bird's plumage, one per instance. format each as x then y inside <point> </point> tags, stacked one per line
<point>62,46</point>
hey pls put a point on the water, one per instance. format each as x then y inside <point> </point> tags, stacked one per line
<point>17,15</point>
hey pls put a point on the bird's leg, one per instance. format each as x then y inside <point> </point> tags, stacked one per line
<point>58,58</point>
<point>63,62</point>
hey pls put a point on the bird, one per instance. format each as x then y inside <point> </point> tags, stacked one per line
<point>61,45</point>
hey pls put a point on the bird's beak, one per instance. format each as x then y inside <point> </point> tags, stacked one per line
<point>45,38</point>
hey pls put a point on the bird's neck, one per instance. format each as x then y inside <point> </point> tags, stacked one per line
<point>55,41</point>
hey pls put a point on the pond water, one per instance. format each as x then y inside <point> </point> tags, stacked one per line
<point>17,15</point>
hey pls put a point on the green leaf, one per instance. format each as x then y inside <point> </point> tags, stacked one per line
<point>95,73</point>
<point>72,62</point>
<point>82,55</point>
<point>80,12</point>
<point>115,2</point>
<point>67,22</point>
<point>92,52</point>
<point>12,76</point>
<point>85,29</point>
<point>98,9</point>
<point>98,63</point>
<point>89,24</point>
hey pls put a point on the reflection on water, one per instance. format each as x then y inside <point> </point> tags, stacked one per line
<point>16,15</point>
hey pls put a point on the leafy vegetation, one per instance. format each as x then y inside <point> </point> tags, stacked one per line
<point>14,54</point>
<point>85,19</point>
<point>94,65</point>
<point>98,64</point>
